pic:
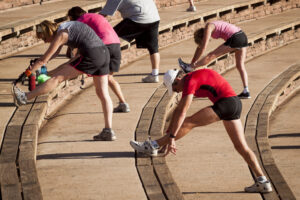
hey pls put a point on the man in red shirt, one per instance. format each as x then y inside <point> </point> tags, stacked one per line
<point>226,107</point>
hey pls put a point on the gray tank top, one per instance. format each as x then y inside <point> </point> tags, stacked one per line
<point>81,36</point>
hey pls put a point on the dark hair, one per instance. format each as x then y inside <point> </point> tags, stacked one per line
<point>75,12</point>
<point>198,36</point>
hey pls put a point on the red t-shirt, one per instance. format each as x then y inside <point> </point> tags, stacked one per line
<point>207,83</point>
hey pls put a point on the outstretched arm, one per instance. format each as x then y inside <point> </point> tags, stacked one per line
<point>209,28</point>
<point>54,48</point>
<point>177,120</point>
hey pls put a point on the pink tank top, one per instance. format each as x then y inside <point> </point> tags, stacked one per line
<point>101,26</point>
<point>224,30</point>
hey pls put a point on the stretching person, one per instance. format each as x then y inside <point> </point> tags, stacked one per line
<point>109,37</point>
<point>226,107</point>
<point>140,22</point>
<point>236,40</point>
<point>92,60</point>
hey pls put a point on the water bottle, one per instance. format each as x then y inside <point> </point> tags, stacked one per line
<point>44,70</point>
<point>32,79</point>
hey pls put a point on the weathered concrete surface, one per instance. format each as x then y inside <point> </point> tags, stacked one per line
<point>284,140</point>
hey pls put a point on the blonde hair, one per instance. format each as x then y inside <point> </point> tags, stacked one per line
<point>198,36</point>
<point>46,29</point>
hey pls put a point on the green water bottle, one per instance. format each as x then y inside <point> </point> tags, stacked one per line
<point>42,78</point>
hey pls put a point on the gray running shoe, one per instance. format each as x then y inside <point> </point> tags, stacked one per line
<point>122,108</point>
<point>191,9</point>
<point>184,66</point>
<point>106,134</point>
<point>144,147</point>
<point>263,187</point>
<point>19,96</point>
<point>151,79</point>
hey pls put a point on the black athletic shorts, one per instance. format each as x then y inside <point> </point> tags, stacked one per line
<point>145,35</point>
<point>237,40</point>
<point>115,57</point>
<point>93,61</point>
<point>229,108</point>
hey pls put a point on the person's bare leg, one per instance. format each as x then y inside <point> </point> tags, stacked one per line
<point>201,118</point>
<point>240,56</point>
<point>155,60</point>
<point>63,73</point>
<point>115,86</point>
<point>235,131</point>
<point>101,86</point>
<point>191,2</point>
<point>219,51</point>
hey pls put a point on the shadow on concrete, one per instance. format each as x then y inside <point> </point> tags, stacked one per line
<point>7,79</point>
<point>7,105</point>
<point>213,192</point>
<point>79,113</point>
<point>140,74</point>
<point>35,56</point>
<point>285,135</point>
<point>87,155</point>
<point>286,147</point>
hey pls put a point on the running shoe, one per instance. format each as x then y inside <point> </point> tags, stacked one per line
<point>122,108</point>
<point>244,95</point>
<point>191,9</point>
<point>151,79</point>
<point>106,134</point>
<point>19,96</point>
<point>144,147</point>
<point>258,186</point>
<point>184,66</point>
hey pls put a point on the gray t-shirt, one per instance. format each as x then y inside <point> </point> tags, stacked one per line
<point>81,36</point>
<point>140,11</point>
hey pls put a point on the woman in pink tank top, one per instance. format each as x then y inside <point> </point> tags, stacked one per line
<point>110,38</point>
<point>235,41</point>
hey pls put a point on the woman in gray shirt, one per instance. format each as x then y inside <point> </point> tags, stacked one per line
<point>93,59</point>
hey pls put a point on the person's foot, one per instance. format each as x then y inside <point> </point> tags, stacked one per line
<point>191,9</point>
<point>122,107</point>
<point>151,79</point>
<point>144,147</point>
<point>19,96</point>
<point>259,186</point>
<point>244,95</point>
<point>106,134</point>
<point>184,66</point>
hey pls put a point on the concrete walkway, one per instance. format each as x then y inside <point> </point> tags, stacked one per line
<point>72,166</point>
<point>92,170</point>
<point>285,139</point>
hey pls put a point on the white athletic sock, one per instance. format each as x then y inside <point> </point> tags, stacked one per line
<point>154,144</point>
<point>261,179</point>
<point>246,89</point>
<point>154,72</point>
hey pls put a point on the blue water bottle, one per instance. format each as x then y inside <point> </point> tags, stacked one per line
<point>44,70</point>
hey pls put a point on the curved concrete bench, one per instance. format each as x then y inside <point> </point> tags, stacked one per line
<point>17,33</point>
<point>257,127</point>
<point>17,162</point>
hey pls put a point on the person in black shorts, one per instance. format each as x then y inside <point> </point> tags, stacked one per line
<point>226,107</point>
<point>235,41</point>
<point>140,23</point>
<point>93,60</point>
<point>110,38</point>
